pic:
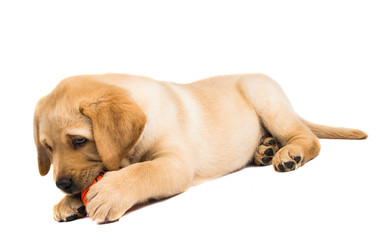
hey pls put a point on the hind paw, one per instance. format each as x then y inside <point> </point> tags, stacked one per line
<point>288,158</point>
<point>265,152</point>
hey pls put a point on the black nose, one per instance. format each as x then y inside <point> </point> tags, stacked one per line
<point>65,184</point>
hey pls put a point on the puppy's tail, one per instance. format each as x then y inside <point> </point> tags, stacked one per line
<point>327,132</point>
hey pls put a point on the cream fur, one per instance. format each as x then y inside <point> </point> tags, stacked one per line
<point>190,133</point>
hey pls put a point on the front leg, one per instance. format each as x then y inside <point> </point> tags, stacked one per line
<point>69,209</point>
<point>119,190</point>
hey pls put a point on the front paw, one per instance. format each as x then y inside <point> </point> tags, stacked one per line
<point>69,209</point>
<point>109,198</point>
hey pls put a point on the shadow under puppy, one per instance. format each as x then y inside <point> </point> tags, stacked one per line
<point>156,139</point>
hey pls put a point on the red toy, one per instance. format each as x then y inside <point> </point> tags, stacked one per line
<point>83,194</point>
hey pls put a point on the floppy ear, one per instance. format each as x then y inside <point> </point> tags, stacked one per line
<point>117,124</point>
<point>42,155</point>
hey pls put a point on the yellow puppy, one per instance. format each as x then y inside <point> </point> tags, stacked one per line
<point>156,139</point>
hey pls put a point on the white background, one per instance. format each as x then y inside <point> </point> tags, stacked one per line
<point>332,58</point>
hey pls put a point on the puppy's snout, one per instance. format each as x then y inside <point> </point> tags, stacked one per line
<point>65,184</point>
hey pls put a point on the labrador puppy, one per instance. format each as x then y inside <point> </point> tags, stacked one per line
<point>155,139</point>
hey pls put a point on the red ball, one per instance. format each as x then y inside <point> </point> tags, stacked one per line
<point>83,194</point>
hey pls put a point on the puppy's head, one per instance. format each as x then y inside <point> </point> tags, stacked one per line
<point>84,127</point>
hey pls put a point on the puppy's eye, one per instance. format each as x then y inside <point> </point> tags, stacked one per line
<point>78,142</point>
<point>49,147</point>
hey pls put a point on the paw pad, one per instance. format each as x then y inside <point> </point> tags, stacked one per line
<point>297,159</point>
<point>266,160</point>
<point>269,152</point>
<point>71,218</point>
<point>287,163</point>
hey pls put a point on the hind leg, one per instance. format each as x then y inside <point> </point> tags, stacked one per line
<point>265,152</point>
<point>298,151</point>
<point>299,143</point>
